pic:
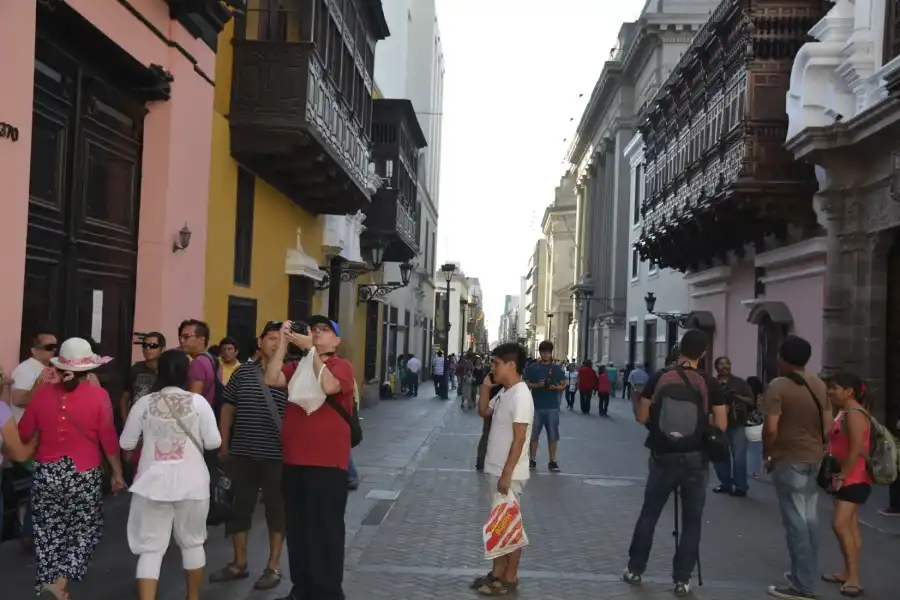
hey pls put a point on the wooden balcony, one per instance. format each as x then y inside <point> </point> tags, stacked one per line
<point>393,218</point>
<point>292,127</point>
<point>717,175</point>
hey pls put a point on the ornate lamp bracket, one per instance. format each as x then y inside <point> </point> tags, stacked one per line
<point>367,292</point>
<point>347,275</point>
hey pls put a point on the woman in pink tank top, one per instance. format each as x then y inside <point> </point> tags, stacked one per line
<point>848,443</point>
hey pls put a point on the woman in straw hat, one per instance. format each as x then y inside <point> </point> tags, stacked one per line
<point>72,421</point>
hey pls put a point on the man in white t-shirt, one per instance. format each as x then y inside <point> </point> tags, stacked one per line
<point>25,376</point>
<point>506,461</point>
<point>413,366</point>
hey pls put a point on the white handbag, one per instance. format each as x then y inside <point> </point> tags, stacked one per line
<point>754,432</point>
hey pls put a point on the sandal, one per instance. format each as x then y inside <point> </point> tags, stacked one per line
<point>231,572</point>
<point>483,580</point>
<point>51,592</point>
<point>499,588</point>
<point>269,580</point>
<point>833,578</point>
<point>851,591</point>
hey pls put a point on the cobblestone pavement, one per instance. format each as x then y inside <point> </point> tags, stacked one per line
<point>413,527</point>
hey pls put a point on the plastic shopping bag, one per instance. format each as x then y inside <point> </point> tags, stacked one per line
<point>304,389</point>
<point>504,531</point>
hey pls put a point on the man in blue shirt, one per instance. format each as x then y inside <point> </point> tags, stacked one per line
<point>546,380</point>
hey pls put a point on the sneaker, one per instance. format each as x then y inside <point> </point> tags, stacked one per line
<point>353,484</point>
<point>682,588</point>
<point>738,493</point>
<point>532,464</point>
<point>788,592</point>
<point>630,577</point>
<point>890,511</point>
<point>721,489</point>
<point>553,466</point>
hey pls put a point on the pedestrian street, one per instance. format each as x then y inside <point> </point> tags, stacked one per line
<point>413,525</point>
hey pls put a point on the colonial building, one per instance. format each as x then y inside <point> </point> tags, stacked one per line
<point>106,112</point>
<point>724,201</point>
<point>844,116</point>
<point>558,227</point>
<point>314,178</point>
<point>534,299</point>
<point>645,52</point>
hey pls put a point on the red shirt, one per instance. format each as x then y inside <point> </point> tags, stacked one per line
<point>51,413</point>
<point>604,385</point>
<point>587,379</point>
<point>321,439</point>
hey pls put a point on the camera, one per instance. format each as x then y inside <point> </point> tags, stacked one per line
<point>300,327</point>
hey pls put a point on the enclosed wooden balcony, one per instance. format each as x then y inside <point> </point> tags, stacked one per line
<point>717,175</point>
<point>301,101</point>
<point>393,219</point>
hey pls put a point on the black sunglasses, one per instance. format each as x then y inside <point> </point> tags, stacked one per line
<point>150,345</point>
<point>49,347</point>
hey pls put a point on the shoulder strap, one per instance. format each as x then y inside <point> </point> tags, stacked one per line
<point>267,394</point>
<point>687,382</point>
<point>797,379</point>
<point>333,403</point>
<point>181,424</point>
<point>74,423</point>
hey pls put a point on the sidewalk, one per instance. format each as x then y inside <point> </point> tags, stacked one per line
<point>413,526</point>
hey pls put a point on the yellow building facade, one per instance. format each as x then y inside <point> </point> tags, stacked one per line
<point>243,292</point>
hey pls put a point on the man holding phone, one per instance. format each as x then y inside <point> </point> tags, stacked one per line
<point>546,380</point>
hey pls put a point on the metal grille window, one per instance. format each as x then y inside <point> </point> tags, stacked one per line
<point>892,30</point>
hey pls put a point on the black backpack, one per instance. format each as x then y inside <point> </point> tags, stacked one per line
<point>679,413</point>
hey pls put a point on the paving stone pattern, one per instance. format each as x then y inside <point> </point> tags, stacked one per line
<point>427,545</point>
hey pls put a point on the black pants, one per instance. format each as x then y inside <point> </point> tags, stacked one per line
<point>412,383</point>
<point>626,389</point>
<point>315,499</point>
<point>586,401</point>
<point>483,443</point>
<point>604,403</point>
<point>689,475</point>
<point>895,494</point>
<point>570,397</point>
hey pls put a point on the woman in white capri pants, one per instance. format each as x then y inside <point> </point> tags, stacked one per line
<point>170,494</point>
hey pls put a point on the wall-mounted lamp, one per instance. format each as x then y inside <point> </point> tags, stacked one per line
<point>183,240</point>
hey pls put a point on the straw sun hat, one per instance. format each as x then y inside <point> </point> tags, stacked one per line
<point>76,355</point>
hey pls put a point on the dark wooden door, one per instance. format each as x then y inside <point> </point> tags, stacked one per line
<point>371,356</point>
<point>241,320</point>
<point>770,336</point>
<point>81,254</point>
<point>892,371</point>
<point>650,342</point>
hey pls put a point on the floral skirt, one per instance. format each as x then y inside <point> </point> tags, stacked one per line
<point>68,520</point>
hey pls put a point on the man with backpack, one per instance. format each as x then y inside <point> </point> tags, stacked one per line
<point>683,411</point>
<point>203,374</point>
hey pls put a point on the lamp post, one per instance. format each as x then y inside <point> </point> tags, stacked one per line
<point>550,327</point>
<point>587,295</point>
<point>680,319</point>
<point>448,269</point>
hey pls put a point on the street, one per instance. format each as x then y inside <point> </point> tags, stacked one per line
<point>413,526</point>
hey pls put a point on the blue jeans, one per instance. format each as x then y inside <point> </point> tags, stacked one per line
<point>687,474</point>
<point>795,486</point>
<point>352,473</point>
<point>545,418</point>
<point>754,457</point>
<point>733,473</point>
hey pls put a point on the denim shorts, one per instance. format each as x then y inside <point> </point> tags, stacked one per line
<point>545,418</point>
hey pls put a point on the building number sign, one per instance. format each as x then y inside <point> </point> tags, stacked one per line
<point>9,132</point>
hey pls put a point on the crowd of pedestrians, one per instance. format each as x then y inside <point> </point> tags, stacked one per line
<point>191,421</point>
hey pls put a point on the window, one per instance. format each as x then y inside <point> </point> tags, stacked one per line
<point>243,227</point>
<point>371,356</point>
<point>650,342</point>
<point>632,342</point>
<point>433,252</point>
<point>636,212</point>
<point>891,31</point>
<point>428,249</point>
<point>635,264</point>
<point>300,295</point>
<point>241,323</point>
<point>408,332</point>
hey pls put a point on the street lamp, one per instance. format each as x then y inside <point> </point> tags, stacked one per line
<point>377,256</point>
<point>550,326</point>
<point>678,318</point>
<point>448,269</point>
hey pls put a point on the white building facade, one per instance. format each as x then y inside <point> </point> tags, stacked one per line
<point>410,64</point>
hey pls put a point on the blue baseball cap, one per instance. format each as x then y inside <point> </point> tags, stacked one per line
<point>323,320</point>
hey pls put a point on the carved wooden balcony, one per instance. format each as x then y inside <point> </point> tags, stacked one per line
<point>292,127</point>
<point>393,218</point>
<point>717,174</point>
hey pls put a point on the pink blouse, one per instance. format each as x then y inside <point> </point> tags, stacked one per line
<point>839,447</point>
<point>51,414</point>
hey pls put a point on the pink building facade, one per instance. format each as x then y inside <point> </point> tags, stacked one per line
<point>108,110</point>
<point>751,305</point>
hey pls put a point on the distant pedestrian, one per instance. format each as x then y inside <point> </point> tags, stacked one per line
<point>546,380</point>
<point>511,412</point>
<point>413,367</point>
<point>732,473</point>
<point>638,378</point>
<point>587,385</point>
<point>571,386</point>
<point>797,419</point>
<point>626,387</point>
<point>676,405</point>
<point>604,389</point>
<point>438,364</point>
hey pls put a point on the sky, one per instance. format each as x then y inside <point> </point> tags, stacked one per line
<point>518,76</point>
